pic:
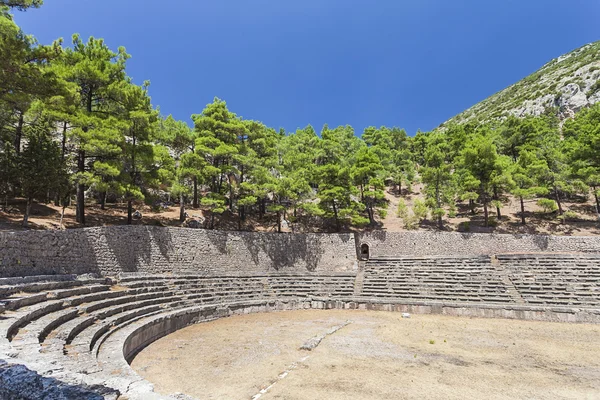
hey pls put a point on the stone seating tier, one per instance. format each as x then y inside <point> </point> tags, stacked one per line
<point>90,325</point>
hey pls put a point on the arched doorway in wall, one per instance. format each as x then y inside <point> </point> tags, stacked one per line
<point>364,252</point>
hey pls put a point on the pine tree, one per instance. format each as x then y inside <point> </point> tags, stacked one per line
<point>41,167</point>
<point>96,76</point>
<point>526,173</point>
<point>367,174</point>
<point>24,77</point>
<point>21,5</point>
<point>217,131</point>
<point>336,191</point>
<point>297,155</point>
<point>257,170</point>
<point>437,177</point>
<point>480,159</point>
<point>582,147</point>
<point>188,164</point>
<point>137,156</point>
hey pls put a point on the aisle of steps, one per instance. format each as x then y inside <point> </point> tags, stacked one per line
<point>455,279</point>
<point>554,279</point>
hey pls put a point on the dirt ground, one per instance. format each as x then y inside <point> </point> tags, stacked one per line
<point>538,222</point>
<point>47,216</point>
<point>379,355</point>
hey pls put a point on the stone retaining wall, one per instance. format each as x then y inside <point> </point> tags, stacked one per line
<point>419,243</point>
<point>157,250</point>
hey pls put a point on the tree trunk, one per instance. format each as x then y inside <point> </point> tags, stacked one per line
<point>597,204</point>
<point>81,189</point>
<point>64,141</point>
<point>278,221</point>
<point>438,202</point>
<point>261,208</point>
<point>129,211</point>
<point>485,211</point>
<point>80,214</point>
<point>212,220</point>
<point>62,214</point>
<point>103,200</point>
<point>181,208</point>
<point>560,209</point>
<point>472,206</point>
<point>337,221</point>
<point>19,133</point>
<point>522,210</point>
<point>27,212</point>
<point>62,157</point>
<point>230,197</point>
<point>195,204</point>
<point>496,197</point>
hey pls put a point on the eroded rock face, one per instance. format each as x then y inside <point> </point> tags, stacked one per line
<point>564,86</point>
<point>534,107</point>
<point>572,100</point>
<point>19,382</point>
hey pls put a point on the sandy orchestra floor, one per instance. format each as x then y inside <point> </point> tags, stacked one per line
<point>379,355</point>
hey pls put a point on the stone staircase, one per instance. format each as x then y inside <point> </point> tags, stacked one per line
<point>457,279</point>
<point>554,279</point>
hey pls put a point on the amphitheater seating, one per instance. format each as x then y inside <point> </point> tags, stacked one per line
<point>459,279</point>
<point>76,321</point>
<point>72,314</point>
<point>554,279</point>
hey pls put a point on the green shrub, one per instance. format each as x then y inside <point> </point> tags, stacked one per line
<point>464,226</point>
<point>595,87</point>
<point>496,204</point>
<point>547,205</point>
<point>359,220</point>
<point>420,209</point>
<point>382,212</point>
<point>411,222</point>
<point>402,210</point>
<point>568,216</point>
<point>452,211</point>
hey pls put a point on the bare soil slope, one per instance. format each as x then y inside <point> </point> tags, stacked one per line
<point>47,216</point>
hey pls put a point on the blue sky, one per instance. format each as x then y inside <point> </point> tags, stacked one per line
<point>289,63</point>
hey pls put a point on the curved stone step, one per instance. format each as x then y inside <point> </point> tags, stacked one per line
<point>28,314</point>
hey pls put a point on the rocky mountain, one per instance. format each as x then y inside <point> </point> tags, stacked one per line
<point>565,85</point>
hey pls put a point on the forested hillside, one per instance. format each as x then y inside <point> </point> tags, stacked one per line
<point>77,135</point>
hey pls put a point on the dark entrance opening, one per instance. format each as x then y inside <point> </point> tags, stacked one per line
<point>364,251</point>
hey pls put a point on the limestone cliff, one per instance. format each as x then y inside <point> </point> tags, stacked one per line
<point>565,85</point>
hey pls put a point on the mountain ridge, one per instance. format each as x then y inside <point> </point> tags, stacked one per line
<point>565,85</point>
